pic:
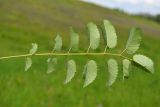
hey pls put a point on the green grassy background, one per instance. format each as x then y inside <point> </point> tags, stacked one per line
<point>25,21</point>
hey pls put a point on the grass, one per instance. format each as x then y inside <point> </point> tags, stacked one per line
<point>26,21</point>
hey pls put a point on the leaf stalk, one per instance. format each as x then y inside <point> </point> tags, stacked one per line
<point>65,54</point>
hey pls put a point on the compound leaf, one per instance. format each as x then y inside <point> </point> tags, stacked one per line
<point>113,71</point>
<point>145,62</point>
<point>90,72</point>
<point>94,35</point>
<point>28,63</point>
<point>51,63</point>
<point>134,40</point>
<point>34,48</point>
<point>58,43</point>
<point>126,68</point>
<point>110,35</point>
<point>71,70</point>
<point>74,42</point>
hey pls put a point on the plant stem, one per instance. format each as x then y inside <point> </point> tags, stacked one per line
<point>123,51</point>
<point>105,49</point>
<point>88,49</point>
<point>65,54</point>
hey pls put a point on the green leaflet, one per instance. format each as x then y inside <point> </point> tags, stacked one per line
<point>51,63</point>
<point>144,62</point>
<point>126,68</point>
<point>34,48</point>
<point>94,35</point>
<point>113,71</point>
<point>74,42</point>
<point>110,35</point>
<point>71,70</point>
<point>90,72</point>
<point>134,40</point>
<point>28,63</point>
<point>58,43</point>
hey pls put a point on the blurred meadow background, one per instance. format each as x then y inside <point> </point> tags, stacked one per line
<point>23,22</point>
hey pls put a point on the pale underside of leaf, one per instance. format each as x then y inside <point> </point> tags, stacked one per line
<point>110,35</point>
<point>74,42</point>
<point>28,63</point>
<point>134,40</point>
<point>90,72</point>
<point>51,64</point>
<point>71,70</point>
<point>58,43</point>
<point>113,71</point>
<point>126,68</point>
<point>34,48</point>
<point>94,35</point>
<point>145,62</point>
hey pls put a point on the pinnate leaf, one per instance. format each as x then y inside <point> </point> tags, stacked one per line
<point>94,35</point>
<point>28,63</point>
<point>71,70</point>
<point>90,72</point>
<point>113,71</point>
<point>58,43</point>
<point>126,68</point>
<point>134,40</point>
<point>145,62</point>
<point>110,35</point>
<point>51,63</point>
